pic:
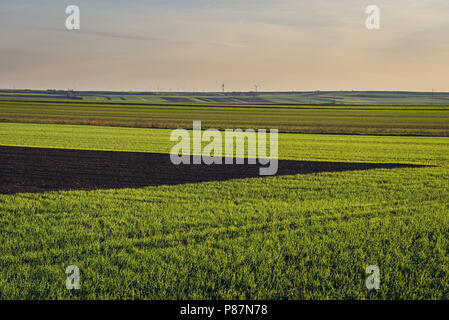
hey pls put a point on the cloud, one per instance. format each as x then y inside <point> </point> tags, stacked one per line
<point>111,34</point>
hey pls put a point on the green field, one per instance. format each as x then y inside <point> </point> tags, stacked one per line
<point>355,148</point>
<point>286,97</point>
<point>300,237</point>
<point>387,120</point>
<point>292,237</point>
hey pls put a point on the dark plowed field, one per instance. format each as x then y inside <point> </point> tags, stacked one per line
<point>39,170</point>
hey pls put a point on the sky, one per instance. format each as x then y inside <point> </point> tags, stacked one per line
<point>196,45</point>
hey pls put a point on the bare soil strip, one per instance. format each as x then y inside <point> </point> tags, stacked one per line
<point>39,170</point>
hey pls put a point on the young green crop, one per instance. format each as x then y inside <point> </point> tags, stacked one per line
<point>296,237</point>
<point>397,120</point>
<point>293,237</point>
<point>417,150</point>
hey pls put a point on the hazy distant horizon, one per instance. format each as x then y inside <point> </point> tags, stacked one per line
<point>228,92</point>
<point>196,45</point>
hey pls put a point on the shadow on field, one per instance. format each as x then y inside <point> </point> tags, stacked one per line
<point>39,170</point>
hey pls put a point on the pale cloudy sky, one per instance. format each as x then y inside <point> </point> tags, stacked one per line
<point>198,44</point>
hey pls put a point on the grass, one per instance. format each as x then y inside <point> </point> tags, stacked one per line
<point>293,237</point>
<point>387,120</point>
<point>399,149</point>
<point>297,237</point>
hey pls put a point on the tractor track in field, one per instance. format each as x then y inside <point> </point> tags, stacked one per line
<point>33,170</point>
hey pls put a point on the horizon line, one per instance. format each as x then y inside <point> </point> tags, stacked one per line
<point>220,92</point>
